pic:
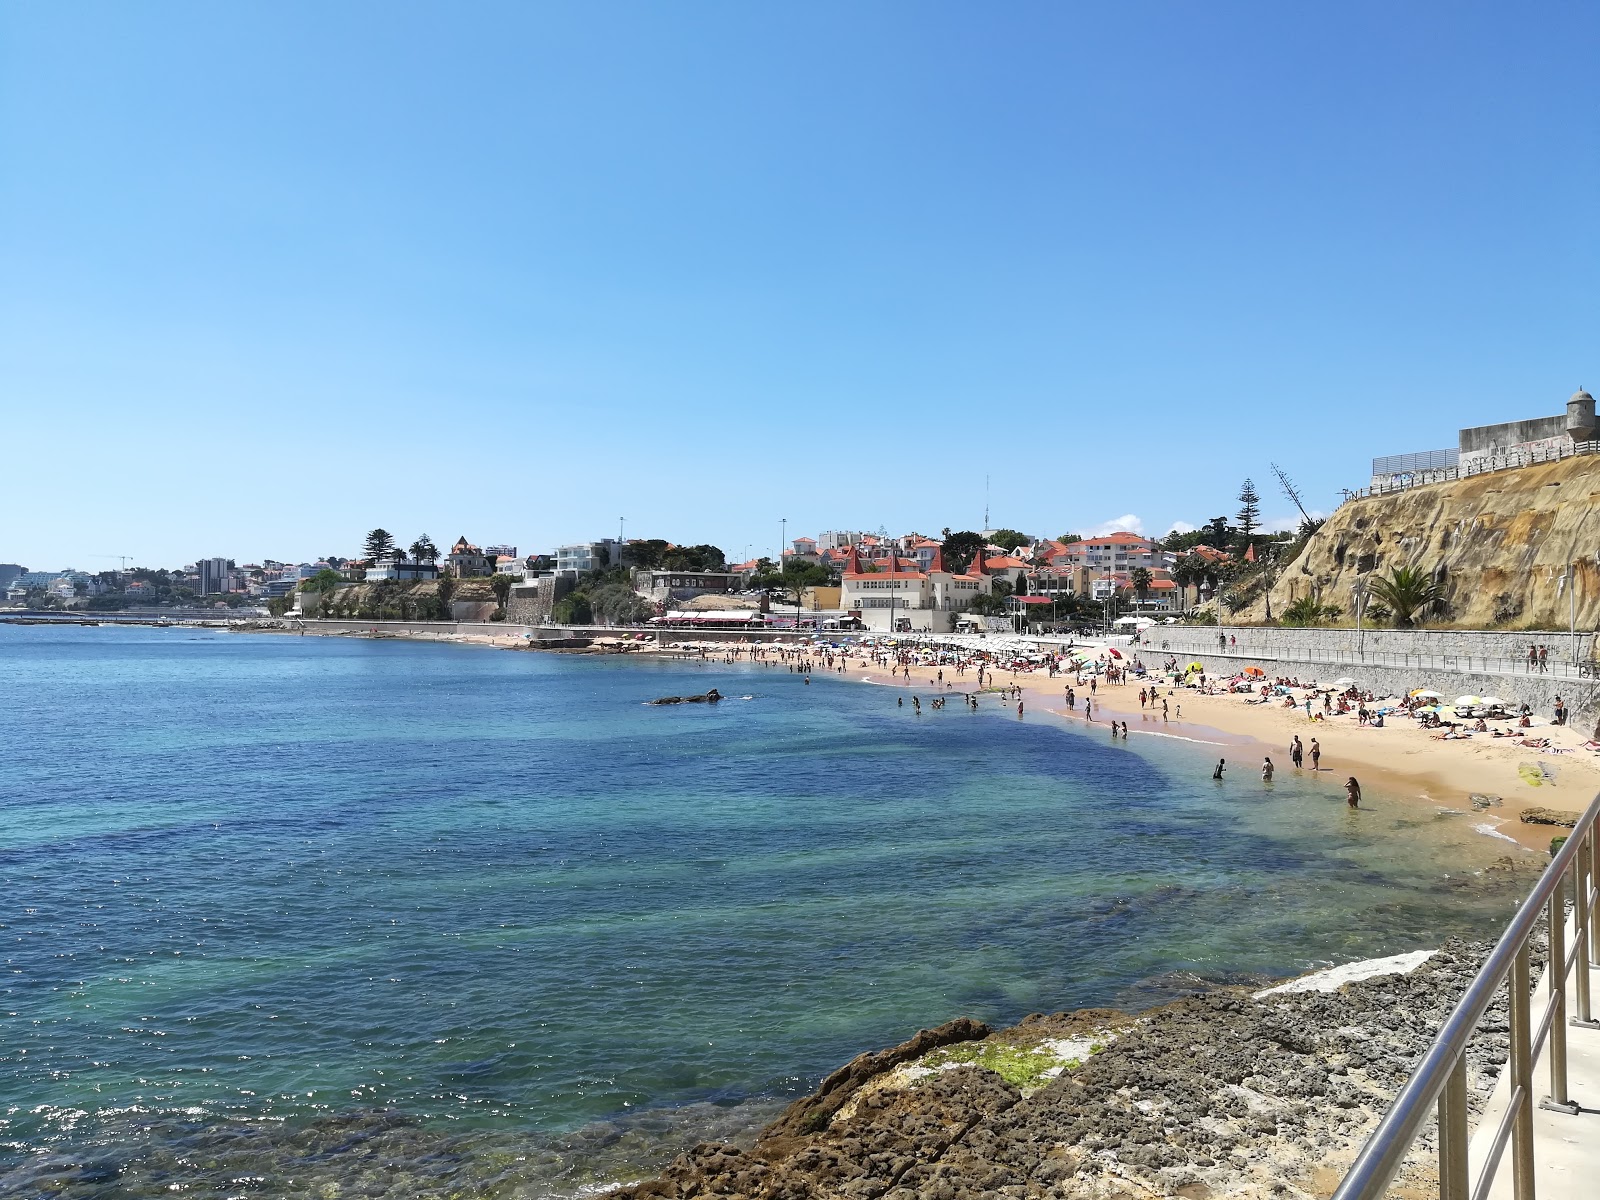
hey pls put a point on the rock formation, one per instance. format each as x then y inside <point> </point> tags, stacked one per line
<point>1497,544</point>
<point>1218,1095</point>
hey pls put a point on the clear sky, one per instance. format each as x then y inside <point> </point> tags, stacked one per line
<point>274,273</point>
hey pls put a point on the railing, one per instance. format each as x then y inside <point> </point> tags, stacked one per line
<point>1477,466</point>
<point>1441,1077</point>
<point>1464,664</point>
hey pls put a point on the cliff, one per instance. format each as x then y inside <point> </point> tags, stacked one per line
<point>1497,544</point>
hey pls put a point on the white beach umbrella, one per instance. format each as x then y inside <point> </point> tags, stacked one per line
<point>1468,701</point>
<point>1344,683</point>
<point>1493,702</point>
<point>1423,694</point>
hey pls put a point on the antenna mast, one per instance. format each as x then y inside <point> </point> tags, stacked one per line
<point>986,502</point>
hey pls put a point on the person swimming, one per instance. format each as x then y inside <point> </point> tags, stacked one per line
<point>1221,764</point>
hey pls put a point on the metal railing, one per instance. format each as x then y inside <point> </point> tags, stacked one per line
<point>1477,466</point>
<point>1441,1077</point>
<point>1464,664</point>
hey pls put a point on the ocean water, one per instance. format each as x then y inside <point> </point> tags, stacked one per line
<point>296,916</point>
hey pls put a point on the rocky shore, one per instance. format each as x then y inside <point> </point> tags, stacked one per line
<point>1226,1094</point>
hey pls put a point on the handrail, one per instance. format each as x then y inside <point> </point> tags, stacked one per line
<point>1441,1075</point>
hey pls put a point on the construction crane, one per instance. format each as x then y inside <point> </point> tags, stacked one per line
<point>122,560</point>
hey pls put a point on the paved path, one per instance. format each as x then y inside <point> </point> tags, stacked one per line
<point>1566,1149</point>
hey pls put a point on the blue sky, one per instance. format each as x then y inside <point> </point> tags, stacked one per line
<point>273,274</point>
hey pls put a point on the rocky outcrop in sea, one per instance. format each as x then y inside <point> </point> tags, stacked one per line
<point>1235,1094</point>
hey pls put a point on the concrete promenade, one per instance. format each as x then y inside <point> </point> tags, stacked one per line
<point>1566,1147</point>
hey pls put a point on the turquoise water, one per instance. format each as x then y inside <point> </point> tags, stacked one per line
<point>308,912</point>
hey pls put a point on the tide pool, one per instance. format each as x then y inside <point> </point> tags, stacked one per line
<point>273,904</point>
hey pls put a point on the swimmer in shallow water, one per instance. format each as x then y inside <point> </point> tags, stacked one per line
<point>1221,765</point>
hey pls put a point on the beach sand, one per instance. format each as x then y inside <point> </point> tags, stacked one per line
<point>1401,759</point>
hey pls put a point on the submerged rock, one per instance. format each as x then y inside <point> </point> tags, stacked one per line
<point>710,697</point>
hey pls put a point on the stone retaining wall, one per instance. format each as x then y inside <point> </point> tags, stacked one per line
<point>1581,696</point>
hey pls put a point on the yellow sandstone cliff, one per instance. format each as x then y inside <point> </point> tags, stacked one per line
<point>1498,545</point>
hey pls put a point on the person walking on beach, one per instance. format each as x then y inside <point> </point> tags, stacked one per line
<point>1088,709</point>
<point>1352,792</point>
<point>1316,755</point>
<point>1221,765</point>
<point>1296,752</point>
<point>1266,770</point>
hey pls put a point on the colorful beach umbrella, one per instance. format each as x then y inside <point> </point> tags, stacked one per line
<point>1424,694</point>
<point>1254,671</point>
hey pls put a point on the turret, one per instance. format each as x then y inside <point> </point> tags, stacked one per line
<point>1580,416</point>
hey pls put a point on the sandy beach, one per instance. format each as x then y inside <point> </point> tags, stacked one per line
<point>1401,759</point>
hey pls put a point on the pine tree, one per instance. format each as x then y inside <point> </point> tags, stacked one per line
<point>379,544</point>
<point>1249,511</point>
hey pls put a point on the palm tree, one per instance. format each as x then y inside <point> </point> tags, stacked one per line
<point>423,549</point>
<point>1406,592</point>
<point>1185,575</point>
<point>1141,579</point>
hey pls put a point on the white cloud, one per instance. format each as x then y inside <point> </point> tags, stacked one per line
<point>1291,520</point>
<point>1182,527</point>
<point>1126,523</point>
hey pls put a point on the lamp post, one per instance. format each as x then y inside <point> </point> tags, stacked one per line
<point>1359,591</point>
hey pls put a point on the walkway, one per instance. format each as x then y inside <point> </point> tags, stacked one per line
<point>1566,1147</point>
<point>1162,642</point>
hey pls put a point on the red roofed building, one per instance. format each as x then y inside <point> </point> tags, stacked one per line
<point>896,594</point>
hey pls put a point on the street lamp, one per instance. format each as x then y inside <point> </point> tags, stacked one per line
<point>1359,591</point>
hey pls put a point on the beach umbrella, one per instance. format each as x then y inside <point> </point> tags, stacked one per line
<point>1424,694</point>
<point>1194,666</point>
<point>1344,683</point>
<point>1432,708</point>
<point>1493,702</point>
<point>1254,671</point>
<point>1468,701</point>
<point>1114,652</point>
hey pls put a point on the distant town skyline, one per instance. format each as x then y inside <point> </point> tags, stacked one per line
<point>273,277</point>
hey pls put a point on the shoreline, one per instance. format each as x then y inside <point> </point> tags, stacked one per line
<point>1400,760</point>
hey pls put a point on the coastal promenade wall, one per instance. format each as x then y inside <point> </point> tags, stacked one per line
<point>1454,662</point>
<point>512,632</point>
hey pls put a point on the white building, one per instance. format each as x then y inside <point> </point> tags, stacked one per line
<point>581,557</point>
<point>391,568</point>
<point>895,596</point>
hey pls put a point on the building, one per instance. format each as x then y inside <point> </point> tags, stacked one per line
<point>802,549</point>
<point>582,557</point>
<point>466,560</point>
<point>494,553</point>
<point>213,576</point>
<point>401,569</point>
<point>10,573</point>
<point>1486,446</point>
<point>893,595</point>
<point>1111,553</point>
<point>661,585</point>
